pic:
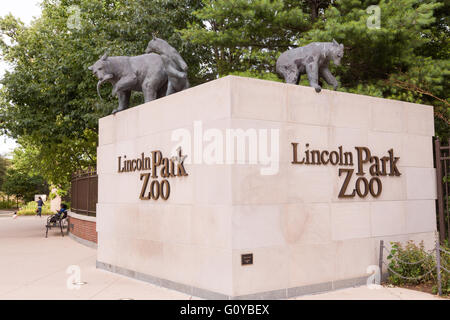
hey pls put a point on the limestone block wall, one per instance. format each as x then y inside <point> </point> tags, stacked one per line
<point>301,234</point>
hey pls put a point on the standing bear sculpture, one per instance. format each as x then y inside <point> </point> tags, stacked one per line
<point>176,67</point>
<point>145,73</point>
<point>312,59</point>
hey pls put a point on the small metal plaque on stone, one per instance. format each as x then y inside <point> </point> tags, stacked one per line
<point>246,259</point>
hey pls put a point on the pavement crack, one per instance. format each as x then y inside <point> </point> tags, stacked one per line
<point>103,289</point>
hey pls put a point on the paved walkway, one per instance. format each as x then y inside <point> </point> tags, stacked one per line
<point>34,267</point>
<point>5,213</point>
<point>364,293</point>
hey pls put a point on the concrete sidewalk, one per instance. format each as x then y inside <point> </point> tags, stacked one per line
<point>34,267</point>
<point>6,213</point>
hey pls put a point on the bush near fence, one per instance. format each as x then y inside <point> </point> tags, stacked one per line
<point>411,264</point>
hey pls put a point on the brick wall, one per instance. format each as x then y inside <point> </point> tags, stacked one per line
<point>83,229</point>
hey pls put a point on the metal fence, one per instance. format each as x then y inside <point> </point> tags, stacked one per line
<point>84,191</point>
<point>434,254</point>
<point>442,164</point>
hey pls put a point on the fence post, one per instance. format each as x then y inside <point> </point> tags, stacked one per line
<point>88,179</point>
<point>380,260</point>
<point>440,195</point>
<point>438,267</point>
<point>447,182</point>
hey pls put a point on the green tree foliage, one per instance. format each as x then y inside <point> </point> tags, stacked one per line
<point>246,36</point>
<point>22,185</point>
<point>49,100</point>
<point>374,53</point>
<point>394,61</point>
<point>4,163</point>
<point>22,177</point>
<point>406,58</point>
<point>34,161</point>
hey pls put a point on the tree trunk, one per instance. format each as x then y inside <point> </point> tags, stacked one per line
<point>314,5</point>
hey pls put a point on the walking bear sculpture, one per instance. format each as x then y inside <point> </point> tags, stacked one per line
<point>312,59</point>
<point>144,73</point>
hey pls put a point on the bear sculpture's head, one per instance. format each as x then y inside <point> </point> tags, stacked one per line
<point>159,46</point>
<point>336,52</point>
<point>101,70</point>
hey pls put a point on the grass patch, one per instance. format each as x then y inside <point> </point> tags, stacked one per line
<point>30,209</point>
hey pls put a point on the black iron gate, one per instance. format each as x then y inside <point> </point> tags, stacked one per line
<point>84,191</point>
<point>442,164</point>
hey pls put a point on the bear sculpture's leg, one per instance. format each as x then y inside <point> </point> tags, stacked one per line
<point>186,84</point>
<point>124,84</point>
<point>170,88</point>
<point>149,94</point>
<point>162,91</point>
<point>124,100</point>
<point>329,78</point>
<point>152,86</point>
<point>313,76</point>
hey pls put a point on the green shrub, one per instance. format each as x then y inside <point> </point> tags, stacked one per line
<point>445,276</point>
<point>418,266</point>
<point>8,204</point>
<point>30,209</point>
<point>62,193</point>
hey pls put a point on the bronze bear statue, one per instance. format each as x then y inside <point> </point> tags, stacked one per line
<point>144,73</point>
<point>312,59</point>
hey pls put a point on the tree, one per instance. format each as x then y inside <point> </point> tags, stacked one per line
<point>4,163</point>
<point>22,177</point>
<point>391,61</point>
<point>35,161</point>
<point>49,101</point>
<point>407,58</point>
<point>22,185</point>
<point>246,36</point>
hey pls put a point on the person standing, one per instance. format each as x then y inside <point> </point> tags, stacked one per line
<point>40,203</point>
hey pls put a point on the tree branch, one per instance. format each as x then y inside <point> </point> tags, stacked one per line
<point>417,89</point>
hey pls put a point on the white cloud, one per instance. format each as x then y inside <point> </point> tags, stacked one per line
<point>6,146</point>
<point>23,9</point>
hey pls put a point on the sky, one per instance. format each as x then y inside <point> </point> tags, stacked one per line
<point>25,10</point>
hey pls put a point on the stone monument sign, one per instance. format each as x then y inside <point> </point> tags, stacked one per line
<point>244,188</point>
